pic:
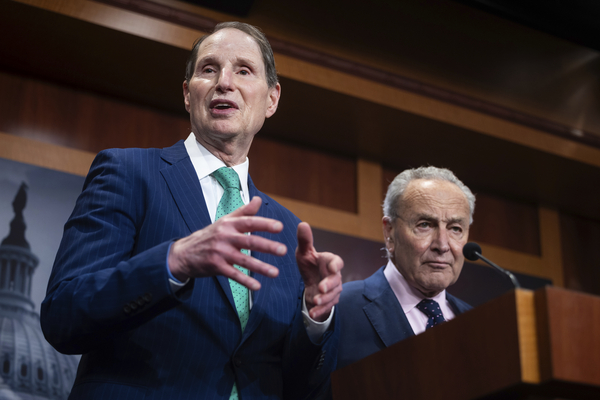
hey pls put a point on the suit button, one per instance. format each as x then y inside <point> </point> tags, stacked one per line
<point>148,297</point>
<point>237,362</point>
<point>133,305</point>
<point>140,302</point>
<point>127,309</point>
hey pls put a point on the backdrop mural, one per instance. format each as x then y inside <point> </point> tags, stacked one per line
<point>34,205</point>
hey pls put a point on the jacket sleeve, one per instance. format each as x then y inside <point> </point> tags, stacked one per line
<point>100,286</point>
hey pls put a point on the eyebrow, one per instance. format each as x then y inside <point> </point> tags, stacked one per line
<point>429,217</point>
<point>243,60</point>
<point>461,221</point>
<point>210,59</point>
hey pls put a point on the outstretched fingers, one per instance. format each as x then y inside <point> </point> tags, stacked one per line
<point>250,263</point>
<point>244,219</point>
<point>329,288</point>
<point>320,273</point>
<point>215,249</point>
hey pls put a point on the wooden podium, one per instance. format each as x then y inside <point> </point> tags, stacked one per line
<point>522,345</point>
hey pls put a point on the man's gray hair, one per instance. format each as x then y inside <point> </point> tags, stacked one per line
<point>400,183</point>
<point>250,30</point>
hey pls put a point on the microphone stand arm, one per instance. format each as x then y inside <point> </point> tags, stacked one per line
<point>513,279</point>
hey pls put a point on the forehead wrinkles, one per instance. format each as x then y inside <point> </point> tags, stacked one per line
<point>231,45</point>
<point>439,199</point>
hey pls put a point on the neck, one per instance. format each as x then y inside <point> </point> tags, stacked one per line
<point>232,152</point>
<point>429,295</point>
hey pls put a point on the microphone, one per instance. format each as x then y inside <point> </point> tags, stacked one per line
<point>472,251</point>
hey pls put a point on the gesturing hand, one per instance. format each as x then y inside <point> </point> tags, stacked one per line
<point>321,275</point>
<point>213,250</point>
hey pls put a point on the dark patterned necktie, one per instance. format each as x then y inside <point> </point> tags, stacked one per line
<point>431,308</point>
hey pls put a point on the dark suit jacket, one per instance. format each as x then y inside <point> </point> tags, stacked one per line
<point>372,319</point>
<point>109,296</point>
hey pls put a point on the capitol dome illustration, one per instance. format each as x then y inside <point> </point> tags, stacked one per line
<point>30,369</point>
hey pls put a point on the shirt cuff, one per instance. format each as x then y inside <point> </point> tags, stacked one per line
<point>174,283</point>
<point>315,329</point>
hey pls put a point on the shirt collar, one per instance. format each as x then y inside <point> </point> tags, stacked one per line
<point>407,296</point>
<point>205,163</point>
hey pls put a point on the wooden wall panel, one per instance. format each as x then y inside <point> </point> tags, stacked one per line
<point>64,116</point>
<point>506,223</point>
<point>387,176</point>
<point>59,158</point>
<point>581,259</point>
<point>304,174</point>
<point>500,222</point>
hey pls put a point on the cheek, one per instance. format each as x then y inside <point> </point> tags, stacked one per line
<point>412,253</point>
<point>420,246</point>
<point>456,246</point>
<point>407,245</point>
<point>457,268</point>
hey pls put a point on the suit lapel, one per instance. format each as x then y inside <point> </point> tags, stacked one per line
<point>183,183</point>
<point>384,312</point>
<point>458,306</point>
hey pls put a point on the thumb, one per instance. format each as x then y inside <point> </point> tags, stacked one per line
<point>305,238</point>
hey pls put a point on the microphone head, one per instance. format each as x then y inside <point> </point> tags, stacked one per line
<point>470,249</point>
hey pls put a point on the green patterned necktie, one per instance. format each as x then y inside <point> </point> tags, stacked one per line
<point>231,200</point>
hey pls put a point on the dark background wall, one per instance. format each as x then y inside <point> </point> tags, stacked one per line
<point>88,86</point>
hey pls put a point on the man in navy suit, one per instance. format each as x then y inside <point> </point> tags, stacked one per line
<point>427,213</point>
<point>142,283</point>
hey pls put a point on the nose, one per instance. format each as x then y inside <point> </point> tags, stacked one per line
<point>225,80</point>
<point>440,242</point>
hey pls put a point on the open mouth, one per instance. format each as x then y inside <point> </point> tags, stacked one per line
<point>222,105</point>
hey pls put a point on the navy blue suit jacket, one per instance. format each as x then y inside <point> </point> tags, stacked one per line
<point>109,296</point>
<point>372,319</point>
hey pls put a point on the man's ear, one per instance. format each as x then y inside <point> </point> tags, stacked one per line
<point>273,100</point>
<point>186,95</point>
<point>388,232</point>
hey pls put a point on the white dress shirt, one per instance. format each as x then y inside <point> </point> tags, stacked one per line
<point>409,297</point>
<point>205,163</point>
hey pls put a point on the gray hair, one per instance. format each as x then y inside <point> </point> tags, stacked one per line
<point>400,183</point>
<point>252,31</point>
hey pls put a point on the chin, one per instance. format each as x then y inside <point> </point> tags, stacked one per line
<point>223,131</point>
<point>436,286</point>
<point>223,125</point>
